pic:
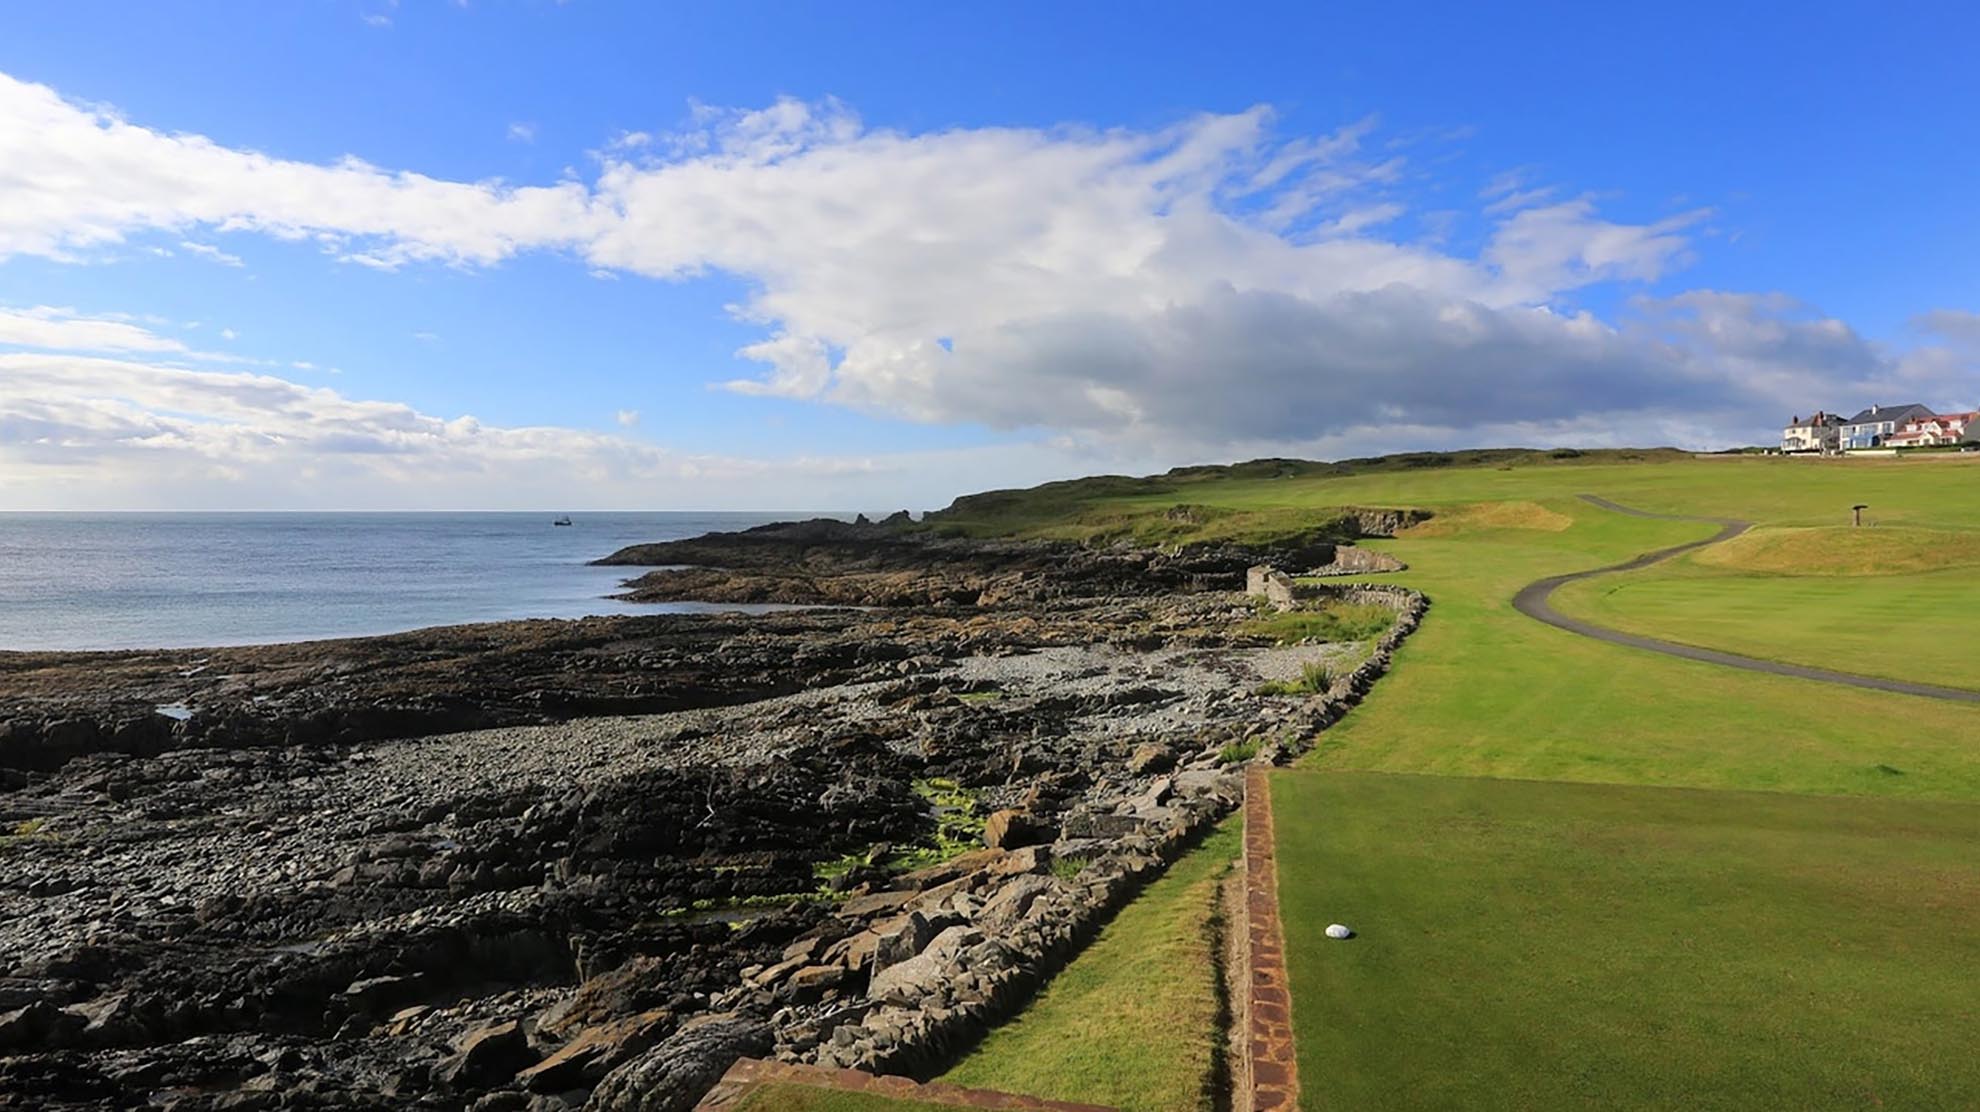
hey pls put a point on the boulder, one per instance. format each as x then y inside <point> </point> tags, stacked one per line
<point>1150,759</point>
<point>900,939</point>
<point>586,1059</point>
<point>1009,829</point>
<point>36,1024</point>
<point>1014,900</point>
<point>908,981</point>
<point>1030,859</point>
<point>487,1055</point>
<point>877,903</point>
<point>673,1075</point>
<point>814,980</point>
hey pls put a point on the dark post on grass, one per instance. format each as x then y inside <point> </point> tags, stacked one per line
<point>1856,513</point>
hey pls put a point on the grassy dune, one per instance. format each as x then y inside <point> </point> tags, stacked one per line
<point>1842,550</point>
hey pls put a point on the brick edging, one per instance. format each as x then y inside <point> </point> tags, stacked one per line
<point>748,1074</point>
<point>1269,1071</point>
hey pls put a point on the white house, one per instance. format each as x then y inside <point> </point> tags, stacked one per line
<point>1870,428</point>
<point>1926,432</point>
<point>1821,432</point>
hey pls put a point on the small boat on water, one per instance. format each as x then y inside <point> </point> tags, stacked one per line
<point>564,520</point>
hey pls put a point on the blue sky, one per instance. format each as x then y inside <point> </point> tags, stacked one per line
<point>964,246</point>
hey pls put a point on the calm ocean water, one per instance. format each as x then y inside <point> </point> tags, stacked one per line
<point>109,581</point>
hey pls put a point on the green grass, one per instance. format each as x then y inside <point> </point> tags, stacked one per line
<point>1914,626</point>
<point>1842,550</point>
<point>780,1097</point>
<point>1330,621</point>
<point>1313,678</point>
<point>1600,941</point>
<point>1482,690</point>
<point>1132,1022</point>
<point>1531,945</point>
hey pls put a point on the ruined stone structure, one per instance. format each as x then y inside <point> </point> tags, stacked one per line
<point>1271,584</point>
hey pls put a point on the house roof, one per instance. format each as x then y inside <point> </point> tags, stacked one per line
<point>1889,413</point>
<point>1821,418</point>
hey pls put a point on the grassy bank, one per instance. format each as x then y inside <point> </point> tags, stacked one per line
<point>1531,945</point>
<point>1907,608</point>
<point>1132,1022</point>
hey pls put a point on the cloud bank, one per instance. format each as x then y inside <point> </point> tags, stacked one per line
<point>1193,290</point>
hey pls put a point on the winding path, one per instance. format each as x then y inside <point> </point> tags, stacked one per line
<point>1532,600</point>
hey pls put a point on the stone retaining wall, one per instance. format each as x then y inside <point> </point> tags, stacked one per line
<point>1354,560</point>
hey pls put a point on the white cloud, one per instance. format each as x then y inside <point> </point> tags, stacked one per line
<point>229,334</point>
<point>75,178</point>
<point>117,425</point>
<point>520,132</point>
<point>45,326</point>
<point>64,329</point>
<point>1558,247</point>
<point>211,253</point>
<point>1210,284</point>
<point>627,418</point>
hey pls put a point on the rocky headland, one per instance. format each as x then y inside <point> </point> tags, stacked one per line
<point>550,865</point>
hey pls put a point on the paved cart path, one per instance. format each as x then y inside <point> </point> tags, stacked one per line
<point>1532,601</point>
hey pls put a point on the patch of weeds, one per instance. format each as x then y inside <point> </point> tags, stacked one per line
<point>976,698</point>
<point>1238,752</point>
<point>1066,868</point>
<point>1333,621</point>
<point>1314,677</point>
<point>30,830</point>
<point>958,830</point>
<point>958,825</point>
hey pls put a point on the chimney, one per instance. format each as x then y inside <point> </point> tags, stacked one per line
<point>1876,409</point>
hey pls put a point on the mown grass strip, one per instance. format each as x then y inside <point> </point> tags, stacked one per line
<point>1535,945</point>
<point>1132,1023</point>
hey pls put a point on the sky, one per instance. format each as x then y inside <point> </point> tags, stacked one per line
<point>357,254</point>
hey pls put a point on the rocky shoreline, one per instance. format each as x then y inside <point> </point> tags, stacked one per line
<point>582,864</point>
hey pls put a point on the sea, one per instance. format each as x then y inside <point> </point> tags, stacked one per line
<point>188,580</point>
